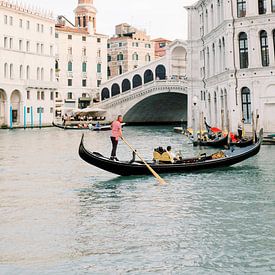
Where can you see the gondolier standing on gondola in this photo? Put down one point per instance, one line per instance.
(116, 134)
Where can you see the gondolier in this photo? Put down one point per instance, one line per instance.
(116, 134)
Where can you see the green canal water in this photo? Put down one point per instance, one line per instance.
(59, 215)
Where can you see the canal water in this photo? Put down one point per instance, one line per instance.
(59, 215)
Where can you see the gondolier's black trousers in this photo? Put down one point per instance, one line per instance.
(114, 143)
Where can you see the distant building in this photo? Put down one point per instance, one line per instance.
(160, 46)
(81, 63)
(128, 49)
(231, 61)
(27, 82)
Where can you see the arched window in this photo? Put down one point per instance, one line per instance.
(21, 71)
(70, 66)
(38, 73)
(115, 89)
(241, 8)
(6, 69)
(148, 76)
(105, 93)
(120, 57)
(137, 81)
(11, 71)
(262, 6)
(126, 85)
(120, 71)
(135, 56)
(28, 72)
(213, 59)
(42, 74)
(56, 65)
(264, 48)
(147, 57)
(160, 72)
(246, 105)
(243, 50)
(108, 71)
(84, 67)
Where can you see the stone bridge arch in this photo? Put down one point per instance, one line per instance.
(3, 107)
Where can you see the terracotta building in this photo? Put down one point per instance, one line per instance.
(160, 46)
(128, 49)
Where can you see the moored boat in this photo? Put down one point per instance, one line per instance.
(222, 158)
(76, 127)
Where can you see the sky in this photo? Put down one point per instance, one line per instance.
(161, 18)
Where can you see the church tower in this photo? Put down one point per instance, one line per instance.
(85, 15)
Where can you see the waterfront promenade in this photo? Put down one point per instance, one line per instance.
(59, 215)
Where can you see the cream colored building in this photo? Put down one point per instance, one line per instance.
(231, 61)
(81, 59)
(27, 81)
(128, 49)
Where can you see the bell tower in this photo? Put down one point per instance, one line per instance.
(85, 15)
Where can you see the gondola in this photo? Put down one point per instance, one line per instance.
(223, 158)
(221, 142)
(242, 143)
(94, 128)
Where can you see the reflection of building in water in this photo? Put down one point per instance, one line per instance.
(231, 47)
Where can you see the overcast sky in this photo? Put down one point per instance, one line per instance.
(161, 18)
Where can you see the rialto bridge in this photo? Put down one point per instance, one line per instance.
(155, 93)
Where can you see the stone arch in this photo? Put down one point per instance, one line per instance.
(105, 94)
(115, 90)
(3, 107)
(148, 76)
(126, 85)
(160, 72)
(179, 57)
(137, 81)
(15, 100)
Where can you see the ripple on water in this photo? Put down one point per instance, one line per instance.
(60, 215)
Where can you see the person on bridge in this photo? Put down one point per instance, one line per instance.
(116, 134)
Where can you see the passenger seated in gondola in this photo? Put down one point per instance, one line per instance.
(173, 157)
(97, 126)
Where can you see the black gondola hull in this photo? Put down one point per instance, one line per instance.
(233, 156)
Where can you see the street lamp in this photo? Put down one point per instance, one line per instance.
(195, 135)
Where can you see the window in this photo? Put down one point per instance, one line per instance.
(28, 95)
(20, 45)
(241, 8)
(6, 70)
(148, 46)
(42, 48)
(5, 19)
(83, 38)
(99, 68)
(51, 110)
(42, 28)
(84, 52)
(37, 47)
(99, 53)
(51, 50)
(42, 96)
(120, 71)
(246, 105)
(135, 56)
(11, 43)
(51, 75)
(11, 20)
(70, 82)
(262, 6)
(5, 42)
(120, 44)
(108, 71)
(70, 66)
(109, 58)
(40, 110)
(273, 5)
(98, 40)
(98, 83)
(38, 95)
(120, 57)
(28, 25)
(28, 72)
(21, 71)
(38, 73)
(243, 50)
(56, 35)
(84, 67)
(11, 71)
(147, 57)
(264, 48)
(51, 30)
(70, 96)
(51, 96)
(70, 37)
(28, 110)
(274, 40)
(20, 23)
(108, 46)
(70, 50)
(84, 82)
(37, 27)
(28, 46)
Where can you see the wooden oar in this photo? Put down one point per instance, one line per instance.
(155, 174)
